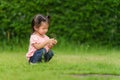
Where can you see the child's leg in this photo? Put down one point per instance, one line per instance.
(48, 56)
(37, 57)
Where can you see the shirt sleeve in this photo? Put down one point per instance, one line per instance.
(33, 39)
(47, 37)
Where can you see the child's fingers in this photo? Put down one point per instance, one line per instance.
(55, 41)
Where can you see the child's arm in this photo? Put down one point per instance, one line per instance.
(41, 45)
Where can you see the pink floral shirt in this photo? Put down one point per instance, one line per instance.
(36, 39)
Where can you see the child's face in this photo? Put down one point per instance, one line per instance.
(43, 28)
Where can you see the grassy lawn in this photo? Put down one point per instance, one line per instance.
(81, 66)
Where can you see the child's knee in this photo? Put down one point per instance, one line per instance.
(51, 53)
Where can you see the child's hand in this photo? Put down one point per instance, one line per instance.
(52, 43)
(55, 41)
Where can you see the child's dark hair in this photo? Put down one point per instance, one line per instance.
(36, 21)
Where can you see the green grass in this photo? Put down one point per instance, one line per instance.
(65, 65)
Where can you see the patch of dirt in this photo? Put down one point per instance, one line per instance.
(95, 75)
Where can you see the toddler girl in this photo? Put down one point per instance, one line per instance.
(40, 44)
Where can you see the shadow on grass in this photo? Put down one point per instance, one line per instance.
(95, 75)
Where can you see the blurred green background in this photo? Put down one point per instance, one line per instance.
(77, 22)
(88, 34)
